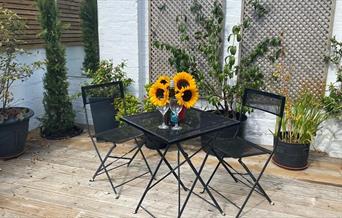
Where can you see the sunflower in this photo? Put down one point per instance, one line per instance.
(183, 80)
(159, 94)
(165, 80)
(187, 96)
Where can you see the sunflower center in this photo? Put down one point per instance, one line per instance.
(182, 83)
(163, 81)
(160, 93)
(187, 95)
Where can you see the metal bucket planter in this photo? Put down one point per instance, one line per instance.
(13, 134)
(291, 156)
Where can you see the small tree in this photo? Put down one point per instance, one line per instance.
(59, 115)
(89, 26)
(11, 28)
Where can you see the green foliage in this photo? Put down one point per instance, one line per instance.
(89, 25)
(107, 73)
(59, 115)
(11, 28)
(220, 90)
(259, 9)
(302, 120)
(333, 102)
(131, 103)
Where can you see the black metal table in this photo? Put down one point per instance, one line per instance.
(197, 123)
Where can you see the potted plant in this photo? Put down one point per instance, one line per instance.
(298, 129)
(223, 85)
(58, 121)
(14, 121)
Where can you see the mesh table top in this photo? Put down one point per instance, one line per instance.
(196, 123)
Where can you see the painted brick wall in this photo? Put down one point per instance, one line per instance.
(30, 92)
(121, 37)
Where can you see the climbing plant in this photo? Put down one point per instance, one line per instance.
(333, 102)
(227, 77)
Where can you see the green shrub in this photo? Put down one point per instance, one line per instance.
(89, 25)
(107, 73)
(59, 115)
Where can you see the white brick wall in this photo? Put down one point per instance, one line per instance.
(118, 34)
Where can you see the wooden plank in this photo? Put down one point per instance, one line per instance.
(53, 175)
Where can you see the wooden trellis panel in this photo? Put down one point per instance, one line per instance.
(306, 26)
(69, 14)
(163, 28)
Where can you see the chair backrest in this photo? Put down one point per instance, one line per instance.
(101, 99)
(102, 92)
(265, 101)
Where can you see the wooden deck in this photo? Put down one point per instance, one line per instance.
(52, 180)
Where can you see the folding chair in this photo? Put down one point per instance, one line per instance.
(240, 148)
(108, 130)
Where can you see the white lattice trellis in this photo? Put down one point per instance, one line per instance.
(306, 26)
(163, 28)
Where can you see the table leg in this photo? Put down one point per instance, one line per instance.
(198, 177)
(172, 170)
(152, 178)
(179, 182)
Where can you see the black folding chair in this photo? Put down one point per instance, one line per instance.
(240, 148)
(102, 97)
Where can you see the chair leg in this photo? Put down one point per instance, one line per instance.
(254, 186)
(254, 179)
(134, 155)
(211, 177)
(224, 164)
(100, 168)
(104, 167)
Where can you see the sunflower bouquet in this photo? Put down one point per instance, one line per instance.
(179, 93)
(183, 87)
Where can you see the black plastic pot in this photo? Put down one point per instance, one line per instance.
(228, 132)
(13, 134)
(152, 142)
(291, 156)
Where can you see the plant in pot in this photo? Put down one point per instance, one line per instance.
(14, 121)
(298, 129)
(58, 121)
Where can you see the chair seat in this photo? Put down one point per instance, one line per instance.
(236, 148)
(119, 135)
